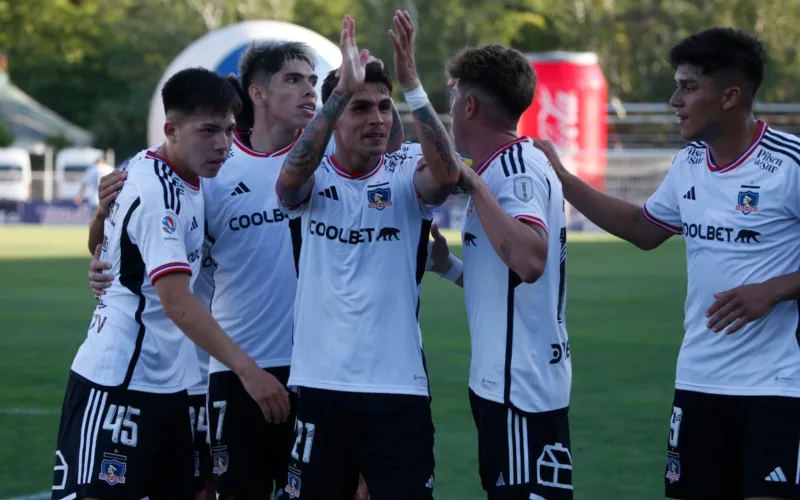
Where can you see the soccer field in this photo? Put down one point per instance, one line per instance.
(624, 317)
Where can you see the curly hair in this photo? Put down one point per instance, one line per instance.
(726, 54)
(505, 74)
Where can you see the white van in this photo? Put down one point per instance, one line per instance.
(15, 174)
(71, 163)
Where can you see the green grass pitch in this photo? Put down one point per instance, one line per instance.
(624, 316)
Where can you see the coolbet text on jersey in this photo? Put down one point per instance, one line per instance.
(356, 326)
(741, 223)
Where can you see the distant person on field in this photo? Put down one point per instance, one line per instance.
(91, 180)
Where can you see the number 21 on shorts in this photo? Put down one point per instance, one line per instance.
(675, 426)
(307, 443)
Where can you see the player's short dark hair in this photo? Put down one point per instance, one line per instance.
(263, 59)
(196, 90)
(726, 53)
(375, 73)
(501, 73)
(259, 63)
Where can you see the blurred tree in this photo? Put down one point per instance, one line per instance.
(97, 62)
(57, 142)
(6, 136)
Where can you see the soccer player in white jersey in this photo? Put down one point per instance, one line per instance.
(514, 249)
(733, 192)
(251, 267)
(363, 401)
(280, 78)
(125, 431)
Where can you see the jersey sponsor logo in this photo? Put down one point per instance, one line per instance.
(673, 470)
(560, 352)
(220, 462)
(388, 234)
(256, 219)
(469, 239)
(379, 198)
(747, 201)
(168, 224)
(209, 262)
(353, 236)
(112, 469)
(767, 161)
(695, 156)
(194, 224)
(193, 256)
(720, 233)
(747, 235)
(241, 188)
(330, 192)
(523, 188)
(690, 195)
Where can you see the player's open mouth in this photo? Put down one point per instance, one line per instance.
(308, 107)
(375, 136)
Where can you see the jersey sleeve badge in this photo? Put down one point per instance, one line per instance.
(523, 188)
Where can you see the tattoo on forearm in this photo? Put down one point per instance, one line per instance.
(505, 250)
(434, 132)
(303, 160)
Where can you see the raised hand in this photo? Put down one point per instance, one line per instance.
(405, 67)
(354, 62)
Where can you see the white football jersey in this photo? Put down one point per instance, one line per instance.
(361, 245)
(741, 222)
(249, 256)
(154, 227)
(520, 348)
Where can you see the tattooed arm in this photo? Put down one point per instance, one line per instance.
(296, 178)
(435, 181)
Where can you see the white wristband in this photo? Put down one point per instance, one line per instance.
(456, 268)
(416, 98)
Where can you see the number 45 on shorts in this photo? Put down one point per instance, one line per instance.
(119, 421)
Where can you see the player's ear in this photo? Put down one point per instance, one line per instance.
(731, 97)
(171, 130)
(472, 107)
(257, 95)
